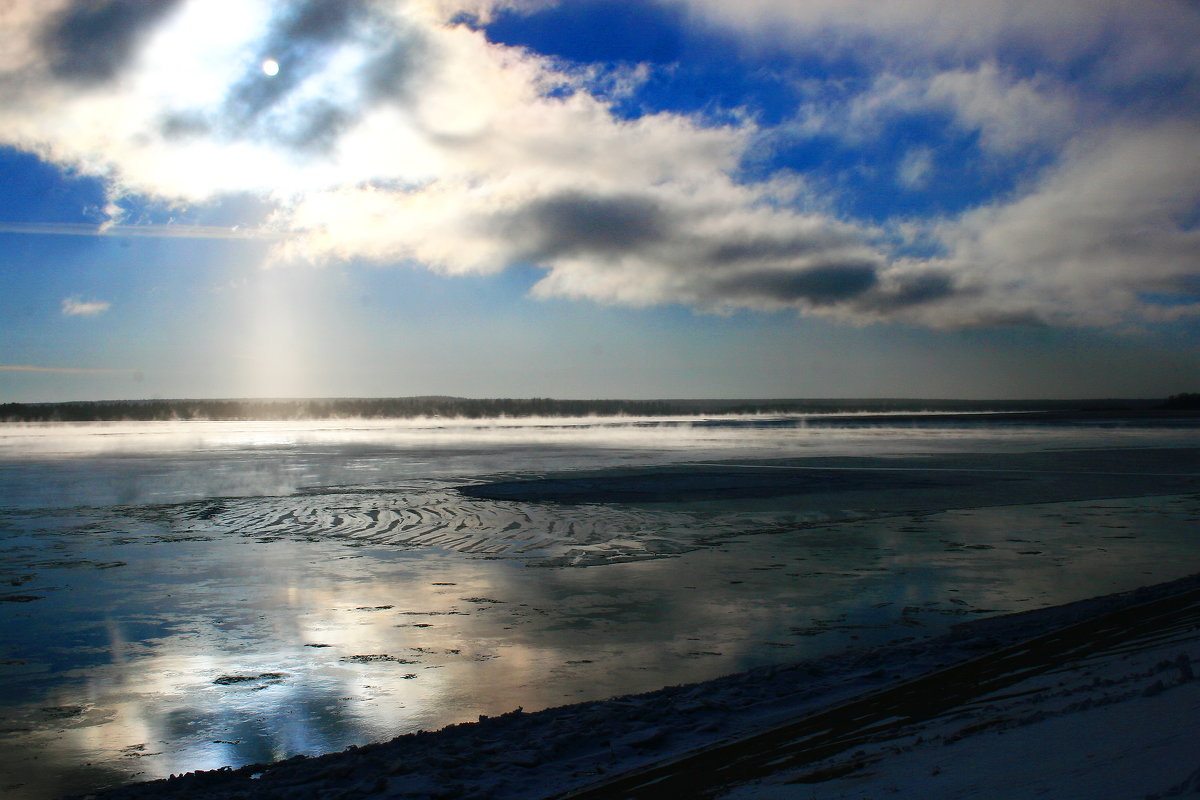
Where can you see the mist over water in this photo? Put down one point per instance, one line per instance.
(121, 463)
(187, 595)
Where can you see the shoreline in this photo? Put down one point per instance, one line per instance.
(576, 750)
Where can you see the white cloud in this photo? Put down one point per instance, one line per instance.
(1010, 114)
(1113, 222)
(1130, 39)
(75, 307)
(916, 168)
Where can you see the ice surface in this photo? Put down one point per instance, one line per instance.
(342, 572)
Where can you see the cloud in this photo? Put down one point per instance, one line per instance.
(1008, 112)
(1087, 108)
(296, 106)
(483, 11)
(714, 254)
(573, 223)
(1115, 42)
(1011, 115)
(395, 135)
(74, 307)
(818, 286)
(911, 287)
(716, 246)
(1115, 219)
(91, 41)
(915, 168)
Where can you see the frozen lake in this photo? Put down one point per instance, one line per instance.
(181, 596)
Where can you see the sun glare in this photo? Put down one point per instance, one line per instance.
(270, 67)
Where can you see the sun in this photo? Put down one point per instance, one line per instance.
(270, 67)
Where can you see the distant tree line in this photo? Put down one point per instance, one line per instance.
(471, 408)
(1182, 401)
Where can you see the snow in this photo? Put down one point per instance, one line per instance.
(1122, 723)
(1103, 709)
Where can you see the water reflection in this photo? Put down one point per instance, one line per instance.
(195, 654)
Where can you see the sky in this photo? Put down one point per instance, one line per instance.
(599, 198)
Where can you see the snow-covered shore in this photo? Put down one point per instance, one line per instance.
(1117, 716)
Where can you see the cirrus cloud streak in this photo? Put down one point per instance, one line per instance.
(76, 307)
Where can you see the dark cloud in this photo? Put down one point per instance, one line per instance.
(909, 290)
(576, 223)
(748, 269)
(91, 41)
(317, 126)
(316, 21)
(819, 286)
(988, 318)
(184, 125)
(390, 74)
(765, 248)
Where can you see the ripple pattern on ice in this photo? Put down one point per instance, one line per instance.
(559, 534)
